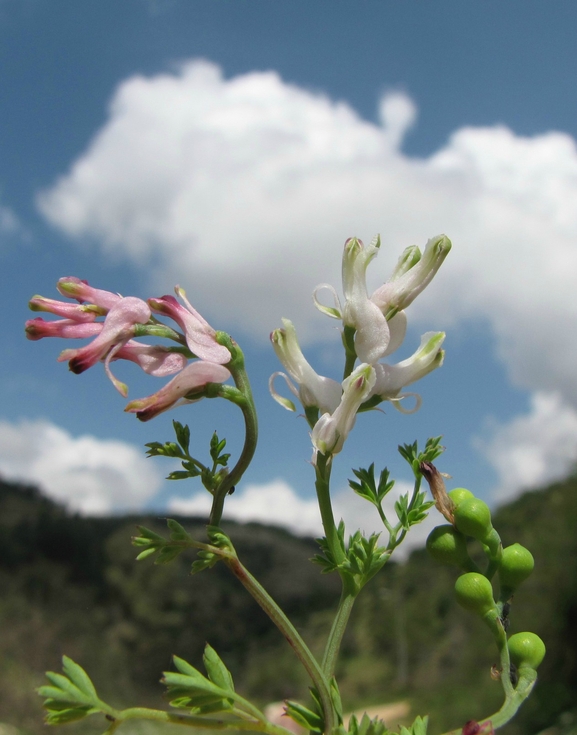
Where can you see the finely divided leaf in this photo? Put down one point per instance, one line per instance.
(216, 670)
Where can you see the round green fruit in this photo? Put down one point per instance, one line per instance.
(515, 566)
(473, 518)
(526, 649)
(458, 494)
(447, 545)
(474, 592)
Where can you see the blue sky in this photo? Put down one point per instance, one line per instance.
(232, 146)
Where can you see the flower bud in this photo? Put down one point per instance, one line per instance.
(526, 650)
(473, 518)
(515, 566)
(448, 546)
(475, 593)
(458, 494)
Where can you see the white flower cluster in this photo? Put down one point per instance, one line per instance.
(374, 327)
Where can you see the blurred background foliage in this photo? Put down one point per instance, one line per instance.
(70, 585)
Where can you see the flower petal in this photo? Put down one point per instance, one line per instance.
(200, 336)
(193, 378)
(118, 327)
(153, 359)
(330, 431)
(67, 328)
(372, 331)
(314, 389)
(78, 289)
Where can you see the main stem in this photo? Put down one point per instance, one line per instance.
(349, 590)
(291, 634)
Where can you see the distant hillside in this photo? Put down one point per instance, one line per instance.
(71, 585)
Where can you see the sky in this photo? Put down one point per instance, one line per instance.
(231, 147)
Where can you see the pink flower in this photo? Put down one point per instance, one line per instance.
(65, 309)
(186, 387)
(67, 328)
(117, 330)
(200, 336)
(77, 289)
(153, 359)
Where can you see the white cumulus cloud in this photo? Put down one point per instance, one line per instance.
(88, 475)
(533, 449)
(277, 503)
(244, 190)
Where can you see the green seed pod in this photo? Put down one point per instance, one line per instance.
(473, 518)
(474, 592)
(526, 649)
(448, 546)
(458, 494)
(515, 566)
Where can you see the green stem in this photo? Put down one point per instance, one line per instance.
(322, 485)
(291, 634)
(348, 597)
(209, 723)
(493, 620)
(237, 369)
(397, 541)
(510, 705)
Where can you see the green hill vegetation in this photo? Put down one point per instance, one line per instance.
(71, 585)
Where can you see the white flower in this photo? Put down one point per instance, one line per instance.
(391, 379)
(412, 274)
(331, 430)
(313, 389)
(372, 333)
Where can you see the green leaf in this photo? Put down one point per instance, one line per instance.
(180, 702)
(146, 553)
(419, 727)
(71, 696)
(168, 554)
(336, 699)
(305, 717)
(401, 509)
(367, 726)
(192, 684)
(177, 532)
(185, 668)
(221, 705)
(178, 475)
(54, 693)
(206, 560)
(410, 452)
(218, 538)
(71, 714)
(79, 677)
(216, 670)
(182, 435)
(69, 690)
(146, 533)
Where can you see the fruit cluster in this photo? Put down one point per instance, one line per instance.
(512, 565)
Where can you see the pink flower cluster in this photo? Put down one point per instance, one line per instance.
(113, 339)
